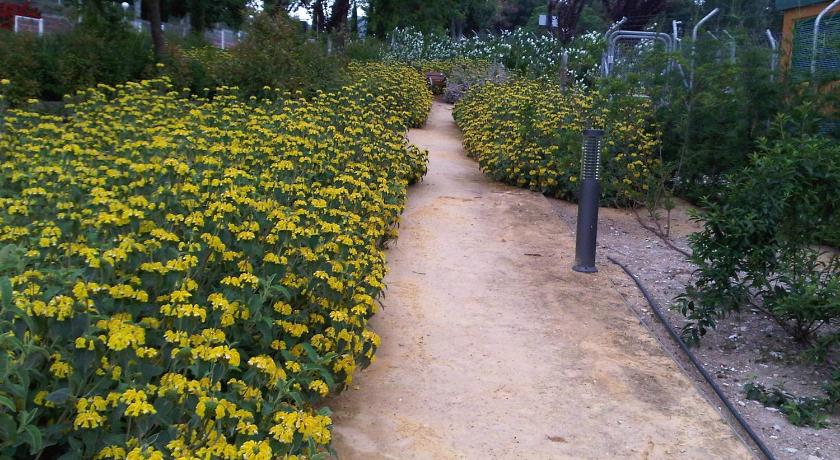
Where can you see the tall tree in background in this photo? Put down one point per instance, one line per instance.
(514, 13)
(274, 6)
(354, 18)
(338, 16)
(456, 16)
(327, 15)
(638, 12)
(319, 18)
(152, 8)
(568, 14)
(204, 13)
(277, 5)
(550, 13)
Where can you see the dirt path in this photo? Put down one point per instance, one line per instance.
(493, 348)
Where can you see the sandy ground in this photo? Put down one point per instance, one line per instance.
(493, 348)
(749, 347)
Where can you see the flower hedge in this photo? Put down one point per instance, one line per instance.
(189, 278)
(404, 89)
(528, 133)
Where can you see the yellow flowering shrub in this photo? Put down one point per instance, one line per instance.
(529, 134)
(188, 278)
(405, 86)
(476, 66)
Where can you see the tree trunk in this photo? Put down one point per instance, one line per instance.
(549, 22)
(153, 13)
(638, 12)
(318, 16)
(198, 15)
(282, 5)
(354, 19)
(338, 15)
(568, 15)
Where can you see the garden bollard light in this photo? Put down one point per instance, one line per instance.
(590, 194)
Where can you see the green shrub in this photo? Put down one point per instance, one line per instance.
(276, 54)
(710, 129)
(199, 68)
(54, 65)
(86, 56)
(103, 49)
(20, 64)
(759, 243)
(799, 411)
(369, 49)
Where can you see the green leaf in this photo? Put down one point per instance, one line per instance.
(35, 440)
(75, 447)
(150, 370)
(328, 378)
(6, 401)
(6, 292)
(311, 353)
(59, 396)
(8, 427)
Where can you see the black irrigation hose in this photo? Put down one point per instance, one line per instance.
(655, 307)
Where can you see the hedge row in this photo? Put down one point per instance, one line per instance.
(189, 278)
(529, 133)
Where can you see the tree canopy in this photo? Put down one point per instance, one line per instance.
(454, 16)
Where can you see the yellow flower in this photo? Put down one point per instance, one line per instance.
(88, 419)
(267, 366)
(60, 369)
(137, 404)
(253, 450)
(187, 232)
(121, 333)
(319, 386)
(113, 452)
(144, 454)
(146, 352)
(40, 399)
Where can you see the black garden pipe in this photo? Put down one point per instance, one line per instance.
(590, 195)
(654, 305)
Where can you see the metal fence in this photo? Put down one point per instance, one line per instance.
(179, 29)
(29, 25)
(627, 50)
(223, 38)
(219, 37)
(56, 24)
